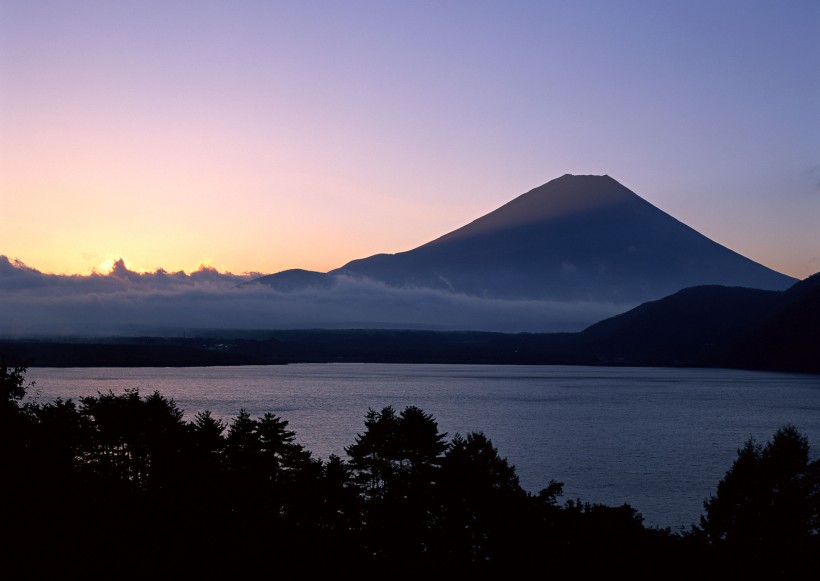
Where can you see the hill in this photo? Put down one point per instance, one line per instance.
(716, 326)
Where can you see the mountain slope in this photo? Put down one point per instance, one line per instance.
(716, 326)
(789, 339)
(294, 279)
(697, 325)
(573, 238)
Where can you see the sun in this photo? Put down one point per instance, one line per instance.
(106, 266)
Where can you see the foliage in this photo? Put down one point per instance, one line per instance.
(768, 502)
(118, 476)
(394, 465)
(395, 450)
(12, 380)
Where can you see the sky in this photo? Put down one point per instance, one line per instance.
(263, 136)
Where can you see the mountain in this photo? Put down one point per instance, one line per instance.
(697, 325)
(577, 238)
(715, 326)
(575, 251)
(294, 279)
(788, 339)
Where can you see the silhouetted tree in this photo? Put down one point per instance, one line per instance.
(136, 441)
(294, 478)
(59, 442)
(395, 462)
(208, 434)
(242, 444)
(206, 461)
(276, 446)
(12, 383)
(594, 540)
(481, 503)
(15, 422)
(121, 476)
(340, 502)
(768, 504)
(374, 455)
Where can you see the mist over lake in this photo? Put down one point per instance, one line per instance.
(657, 438)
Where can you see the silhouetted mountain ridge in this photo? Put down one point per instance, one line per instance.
(294, 279)
(717, 326)
(790, 338)
(575, 238)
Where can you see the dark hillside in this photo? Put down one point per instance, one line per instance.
(696, 326)
(790, 338)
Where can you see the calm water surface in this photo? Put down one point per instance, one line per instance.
(657, 438)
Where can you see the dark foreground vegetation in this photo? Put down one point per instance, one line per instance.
(122, 486)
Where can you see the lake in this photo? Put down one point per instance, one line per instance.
(657, 438)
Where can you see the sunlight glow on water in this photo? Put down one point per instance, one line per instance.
(657, 438)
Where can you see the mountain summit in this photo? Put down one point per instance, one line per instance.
(585, 238)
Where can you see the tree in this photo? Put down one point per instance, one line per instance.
(375, 454)
(276, 444)
(12, 418)
(769, 501)
(206, 482)
(138, 441)
(482, 502)
(395, 464)
(12, 380)
(13, 388)
(59, 436)
(207, 431)
(242, 444)
(396, 450)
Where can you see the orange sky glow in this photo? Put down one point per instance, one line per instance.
(273, 136)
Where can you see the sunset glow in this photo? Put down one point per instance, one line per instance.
(590, 228)
(107, 265)
(266, 136)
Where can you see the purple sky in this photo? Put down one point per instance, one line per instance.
(261, 136)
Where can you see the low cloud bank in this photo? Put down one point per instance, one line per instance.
(125, 302)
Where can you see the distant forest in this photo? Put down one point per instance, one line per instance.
(121, 485)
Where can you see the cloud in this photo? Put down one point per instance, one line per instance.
(125, 302)
(14, 274)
